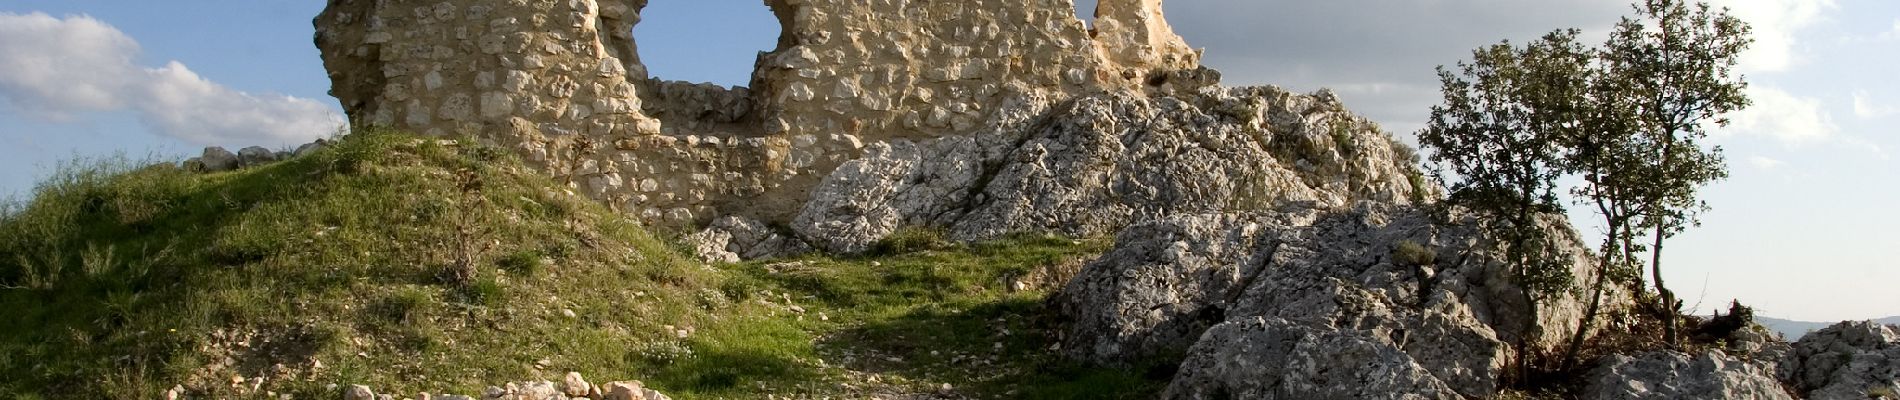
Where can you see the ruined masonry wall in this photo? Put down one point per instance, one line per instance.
(561, 82)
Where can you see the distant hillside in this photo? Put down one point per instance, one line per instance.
(1792, 330)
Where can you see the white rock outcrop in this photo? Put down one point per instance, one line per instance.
(1234, 291)
(1659, 375)
(1850, 360)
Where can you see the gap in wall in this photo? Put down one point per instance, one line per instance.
(1085, 9)
(705, 41)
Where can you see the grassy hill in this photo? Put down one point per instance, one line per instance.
(414, 265)
(1793, 330)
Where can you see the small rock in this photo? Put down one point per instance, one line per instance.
(175, 392)
(359, 392)
(494, 392)
(568, 313)
(539, 390)
(574, 385)
(651, 394)
(623, 390)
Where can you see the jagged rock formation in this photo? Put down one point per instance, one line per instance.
(1850, 360)
(866, 117)
(1310, 303)
(1709, 375)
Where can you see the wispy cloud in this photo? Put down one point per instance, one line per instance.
(1765, 163)
(1783, 116)
(1866, 108)
(57, 69)
(1776, 48)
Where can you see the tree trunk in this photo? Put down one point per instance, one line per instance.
(1668, 298)
(1589, 315)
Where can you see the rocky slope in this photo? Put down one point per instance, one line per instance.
(1093, 165)
(1326, 294)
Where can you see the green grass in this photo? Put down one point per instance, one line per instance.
(121, 280)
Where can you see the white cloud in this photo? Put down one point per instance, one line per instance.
(1866, 108)
(56, 68)
(1783, 116)
(1765, 163)
(1776, 21)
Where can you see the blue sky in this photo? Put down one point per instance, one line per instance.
(1804, 229)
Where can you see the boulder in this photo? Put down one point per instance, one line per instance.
(1850, 360)
(306, 148)
(895, 184)
(1333, 274)
(255, 156)
(1660, 375)
(217, 159)
(734, 238)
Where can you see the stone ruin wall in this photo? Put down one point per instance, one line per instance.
(561, 82)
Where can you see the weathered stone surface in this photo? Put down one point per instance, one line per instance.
(217, 159)
(733, 238)
(1270, 358)
(307, 148)
(1099, 163)
(895, 184)
(255, 156)
(1168, 281)
(1845, 361)
(1709, 375)
(359, 392)
(575, 385)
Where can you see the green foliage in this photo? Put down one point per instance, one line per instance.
(1343, 139)
(524, 262)
(1667, 75)
(1412, 253)
(912, 239)
(1500, 130)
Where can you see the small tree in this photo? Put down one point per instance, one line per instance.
(1674, 71)
(1500, 131)
(1628, 118)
